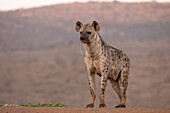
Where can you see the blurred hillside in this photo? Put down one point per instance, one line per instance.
(51, 25)
(40, 53)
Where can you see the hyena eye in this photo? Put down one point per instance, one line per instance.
(89, 32)
(81, 32)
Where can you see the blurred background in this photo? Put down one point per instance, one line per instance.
(41, 56)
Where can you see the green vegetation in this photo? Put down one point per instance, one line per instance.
(46, 104)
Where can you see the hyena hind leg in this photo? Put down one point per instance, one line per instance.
(116, 88)
(123, 86)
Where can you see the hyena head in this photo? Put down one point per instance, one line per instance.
(87, 32)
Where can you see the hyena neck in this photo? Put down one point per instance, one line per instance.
(94, 49)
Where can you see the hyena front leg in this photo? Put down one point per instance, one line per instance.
(91, 79)
(102, 91)
(104, 76)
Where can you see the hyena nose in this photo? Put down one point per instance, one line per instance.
(82, 38)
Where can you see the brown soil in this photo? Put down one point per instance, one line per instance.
(80, 110)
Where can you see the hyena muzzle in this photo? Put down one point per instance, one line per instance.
(103, 60)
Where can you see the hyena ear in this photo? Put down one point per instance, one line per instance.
(78, 26)
(96, 25)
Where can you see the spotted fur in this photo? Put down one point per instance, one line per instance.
(103, 60)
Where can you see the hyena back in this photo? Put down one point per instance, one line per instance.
(104, 60)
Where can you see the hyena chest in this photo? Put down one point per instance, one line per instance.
(97, 69)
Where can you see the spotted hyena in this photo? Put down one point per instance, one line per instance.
(104, 60)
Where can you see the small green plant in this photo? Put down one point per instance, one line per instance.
(46, 104)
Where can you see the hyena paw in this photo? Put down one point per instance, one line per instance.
(102, 106)
(89, 106)
(121, 106)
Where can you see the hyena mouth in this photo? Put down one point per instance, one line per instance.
(85, 40)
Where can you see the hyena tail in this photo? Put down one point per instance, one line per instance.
(118, 78)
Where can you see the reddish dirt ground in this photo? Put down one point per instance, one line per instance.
(80, 110)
